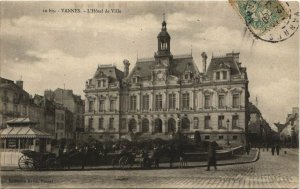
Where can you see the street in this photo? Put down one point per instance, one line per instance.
(268, 172)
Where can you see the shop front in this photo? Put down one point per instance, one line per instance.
(21, 134)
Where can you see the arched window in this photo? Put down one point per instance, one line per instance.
(171, 125)
(132, 125)
(185, 124)
(158, 126)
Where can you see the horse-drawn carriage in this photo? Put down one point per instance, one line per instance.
(31, 160)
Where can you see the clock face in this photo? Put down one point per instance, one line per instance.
(160, 75)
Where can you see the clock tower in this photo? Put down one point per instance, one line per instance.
(163, 56)
(163, 40)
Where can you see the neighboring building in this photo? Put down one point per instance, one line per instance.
(166, 94)
(259, 130)
(72, 102)
(14, 100)
(63, 122)
(289, 131)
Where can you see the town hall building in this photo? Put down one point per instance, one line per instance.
(166, 94)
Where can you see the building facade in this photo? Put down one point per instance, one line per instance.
(168, 94)
(72, 102)
(14, 101)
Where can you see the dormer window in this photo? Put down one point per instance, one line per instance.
(186, 76)
(224, 73)
(104, 83)
(217, 75)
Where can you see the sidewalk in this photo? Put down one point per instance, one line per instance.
(237, 159)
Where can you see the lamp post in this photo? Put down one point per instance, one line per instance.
(227, 131)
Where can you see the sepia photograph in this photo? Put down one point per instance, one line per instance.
(149, 94)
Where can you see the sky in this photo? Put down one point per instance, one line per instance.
(50, 50)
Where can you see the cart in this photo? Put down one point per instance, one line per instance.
(31, 160)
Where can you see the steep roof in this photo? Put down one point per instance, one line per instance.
(228, 62)
(178, 65)
(9, 84)
(109, 71)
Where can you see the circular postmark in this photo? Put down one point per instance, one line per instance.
(270, 21)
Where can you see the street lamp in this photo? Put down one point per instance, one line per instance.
(227, 131)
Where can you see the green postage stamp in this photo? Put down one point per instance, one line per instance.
(271, 20)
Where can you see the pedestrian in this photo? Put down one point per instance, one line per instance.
(171, 155)
(182, 160)
(211, 159)
(273, 150)
(277, 149)
(248, 148)
(267, 147)
(84, 150)
(156, 156)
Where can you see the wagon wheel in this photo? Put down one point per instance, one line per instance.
(26, 163)
(123, 162)
(130, 161)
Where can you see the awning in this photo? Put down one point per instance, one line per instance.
(23, 132)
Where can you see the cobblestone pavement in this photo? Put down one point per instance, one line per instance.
(268, 172)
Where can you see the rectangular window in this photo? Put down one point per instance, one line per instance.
(99, 83)
(185, 101)
(100, 124)
(145, 102)
(236, 100)
(234, 137)
(172, 101)
(104, 83)
(206, 137)
(15, 108)
(101, 105)
(220, 121)
(235, 121)
(90, 124)
(196, 123)
(91, 105)
(158, 102)
(24, 110)
(123, 124)
(111, 123)
(217, 75)
(207, 101)
(133, 103)
(221, 137)
(112, 105)
(207, 122)
(221, 101)
(5, 107)
(224, 73)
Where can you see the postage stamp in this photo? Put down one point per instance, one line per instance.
(270, 21)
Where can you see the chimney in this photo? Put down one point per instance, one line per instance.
(126, 67)
(20, 83)
(204, 58)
